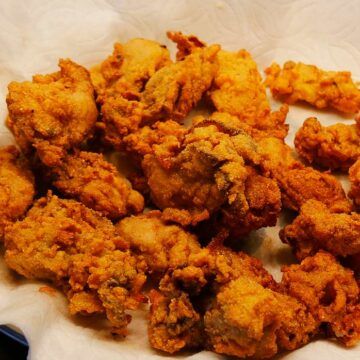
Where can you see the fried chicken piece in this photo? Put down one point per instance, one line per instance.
(163, 138)
(96, 183)
(354, 177)
(164, 246)
(206, 172)
(317, 227)
(248, 320)
(129, 67)
(186, 44)
(17, 187)
(53, 113)
(334, 147)
(175, 89)
(174, 324)
(264, 200)
(80, 252)
(170, 93)
(239, 91)
(297, 182)
(176, 314)
(330, 293)
(322, 89)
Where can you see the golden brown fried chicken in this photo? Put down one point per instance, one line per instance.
(174, 324)
(53, 113)
(163, 138)
(247, 319)
(175, 89)
(330, 293)
(176, 314)
(297, 182)
(129, 67)
(164, 246)
(239, 91)
(79, 250)
(209, 177)
(17, 187)
(170, 93)
(354, 177)
(323, 89)
(333, 147)
(96, 183)
(317, 227)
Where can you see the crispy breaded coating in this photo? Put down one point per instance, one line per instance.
(248, 320)
(330, 293)
(163, 138)
(175, 89)
(53, 113)
(163, 246)
(238, 90)
(317, 227)
(206, 173)
(89, 178)
(322, 89)
(78, 250)
(354, 177)
(129, 67)
(170, 93)
(297, 182)
(17, 187)
(333, 147)
(174, 324)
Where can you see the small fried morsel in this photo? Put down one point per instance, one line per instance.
(322, 89)
(354, 177)
(17, 188)
(238, 90)
(53, 113)
(170, 93)
(175, 89)
(163, 138)
(247, 319)
(333, 147)
(77, 249)
(297, 182)
(330, 293)
(163, 246)
(317, 227)
(96, 183)
(176, 314)
(174, 324)
(129, 67)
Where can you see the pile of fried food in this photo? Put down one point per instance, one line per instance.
(70, 217)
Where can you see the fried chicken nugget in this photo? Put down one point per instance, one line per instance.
(247, 319)
(330, 293)
(163, 246)
(174, 322)
(322, 89)
(170, 93)
(317, 227)
(129, 67)
(17, 186)
(96, 183)
(239, 91)
(297, 182)
(53, 113)
(79, 251)
(334, 147)
(354, 177)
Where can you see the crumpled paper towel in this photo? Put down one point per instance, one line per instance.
(34, 34)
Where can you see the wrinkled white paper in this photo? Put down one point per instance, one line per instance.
(35, 34)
